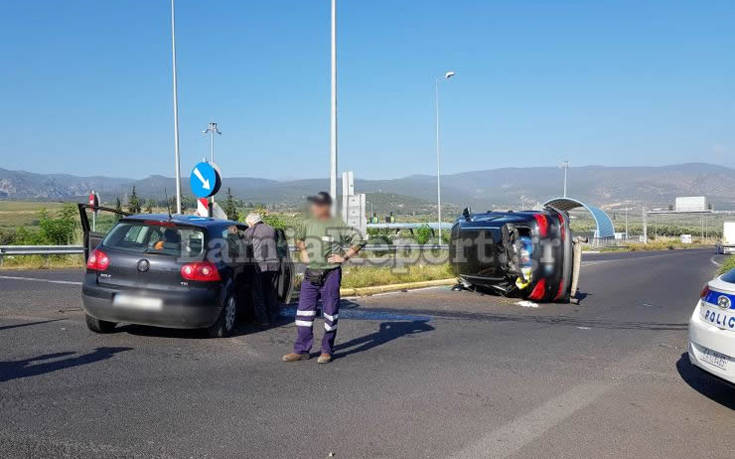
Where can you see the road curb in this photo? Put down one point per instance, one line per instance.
(367, 291)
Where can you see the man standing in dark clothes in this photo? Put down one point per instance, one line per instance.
(262, 238)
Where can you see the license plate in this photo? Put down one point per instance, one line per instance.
(715, 358)
(721, 318)
(139, 302)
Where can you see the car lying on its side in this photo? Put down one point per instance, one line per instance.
(530, 254)
(712, 328)
(171, 271)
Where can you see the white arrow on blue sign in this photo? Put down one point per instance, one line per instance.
(205, 180)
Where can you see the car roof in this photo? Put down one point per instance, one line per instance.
(191, 220)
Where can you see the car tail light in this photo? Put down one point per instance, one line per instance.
(543, 224)
(98, 261)
(539, 290)
(202, 271)
(560, 291)
(705, 291)
(561, 226)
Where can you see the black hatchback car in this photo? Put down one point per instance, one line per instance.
(531, 254)
(171, 271)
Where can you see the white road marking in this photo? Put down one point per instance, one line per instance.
(527, 304)
(511, 437)
(715, 262)
(38, 279)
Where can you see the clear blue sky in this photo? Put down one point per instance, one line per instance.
(85, 85)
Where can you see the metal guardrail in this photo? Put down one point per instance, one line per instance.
(393, 247)
(396, 247)
(409, 226)
(6, 250)
(19, 250)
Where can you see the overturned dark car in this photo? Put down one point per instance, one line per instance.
(529, 254)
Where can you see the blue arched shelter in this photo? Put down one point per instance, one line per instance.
(604, 230)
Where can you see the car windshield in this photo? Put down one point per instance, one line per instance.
(729, 276)
(156, 237)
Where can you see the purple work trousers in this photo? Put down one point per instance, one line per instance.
(306, 312)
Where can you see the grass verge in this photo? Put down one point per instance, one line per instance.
(369, 276)
(42, 262)
(728, 264)
(673, 244)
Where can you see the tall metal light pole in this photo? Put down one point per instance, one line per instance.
(446, 76)
(211, 130)
(565, 166)
(177, 157)
(333, 115)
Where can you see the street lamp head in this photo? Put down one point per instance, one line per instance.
(448, 75)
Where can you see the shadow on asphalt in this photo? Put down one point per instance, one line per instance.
(388, 331)
(244, 326)
(28, 324)
(704, 383)
(543, 320)
(16, 369)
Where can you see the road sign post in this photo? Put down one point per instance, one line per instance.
(94, 201)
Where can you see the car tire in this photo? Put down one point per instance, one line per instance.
(225, 324)
(99, 326)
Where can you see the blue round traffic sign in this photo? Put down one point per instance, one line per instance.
(205, 180)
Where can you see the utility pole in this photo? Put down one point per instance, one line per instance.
(702, 223)
(333, 115)
(565, 166)
(211, 130)
(177, 156)
(626, 223)
(446, 76)
(645, 226)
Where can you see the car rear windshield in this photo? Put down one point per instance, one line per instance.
(729, 276)
(156, 237)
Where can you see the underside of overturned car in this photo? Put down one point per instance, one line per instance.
(529, 254)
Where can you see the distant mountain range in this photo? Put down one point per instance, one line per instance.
(494, 188)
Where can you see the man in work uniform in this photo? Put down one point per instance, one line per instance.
(324, 244)
(262, 239)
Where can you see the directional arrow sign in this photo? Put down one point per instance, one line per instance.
(205, 180)
(202, 180)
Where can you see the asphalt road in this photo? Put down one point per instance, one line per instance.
(422, 374)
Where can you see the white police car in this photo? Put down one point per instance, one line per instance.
(712, 328)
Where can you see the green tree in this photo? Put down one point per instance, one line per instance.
(134, 202)
(423, 234)
(149, 206)
(58, 230)
(24, 236)
(230, 207)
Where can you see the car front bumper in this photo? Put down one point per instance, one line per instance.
(703, 336)
(193, 308)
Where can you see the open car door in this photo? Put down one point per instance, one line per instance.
(96, 223)
(286, 269)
